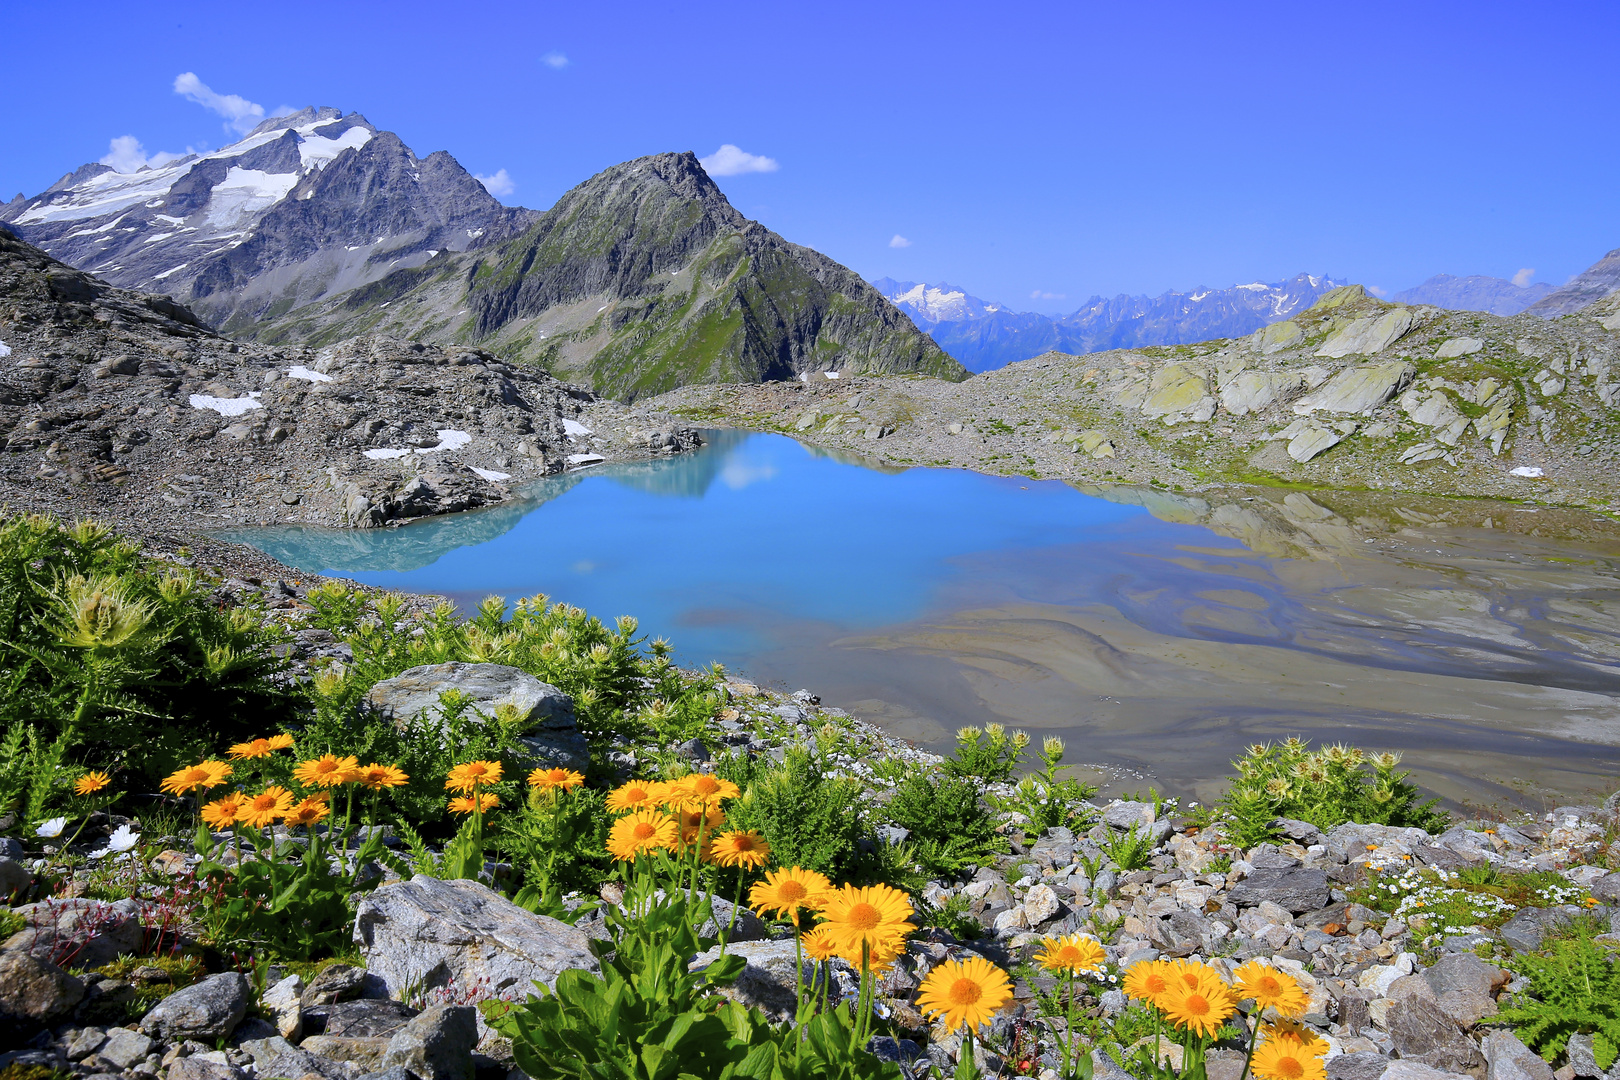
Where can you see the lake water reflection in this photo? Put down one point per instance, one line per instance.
(1157, 633)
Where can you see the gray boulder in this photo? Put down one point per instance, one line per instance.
(1583, 1058)
(34, 992)
(1295, 890)
(437, 1045)
(1464, 986)
(198, 1068)
(545, 711)
(14, 877)
(1506, 1058)
(1357, 1067)
(205, 1011)
(78, 932)
(1425, 1033)
(1414, 1070)
(1527, 929)
(276, 1056)
(367, 1018)
(426, 933)
(767, 982)
(339, 982)
(125, 1047)
(1122, 815)
(1607, 888)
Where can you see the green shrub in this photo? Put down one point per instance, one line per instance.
(1574, 989)
(1326, 787)
(1130, 850)
(1045, 800)
(988, 755)
(811, 819)
(130, 660)
(950, 826)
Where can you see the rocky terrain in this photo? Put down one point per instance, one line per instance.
(1396, 989)
(304, 206)
(639, 280)
(1353, 393)
(985, 335)
(123, 405)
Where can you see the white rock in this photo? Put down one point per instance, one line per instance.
(1370, 334)
(1460, 346)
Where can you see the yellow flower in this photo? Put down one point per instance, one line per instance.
(701, 789)
(552, 779)
(639, 831)
(467, 804)
(636, 795)
(787, 891)
(376, 777)
(265, 807)
(90, 783)
(1147, 980)
(473, 775)
(1075, 953)
(741, 848)
(308, 812)
(1201, 1009)
(223, 813)
(818, 943)
(875, 916)
(1298, 1033)
(204, 775)
(696, 818)
(257, 748)
(1270, 989)
(965, 992)
(328, 770)
(1285, 1059)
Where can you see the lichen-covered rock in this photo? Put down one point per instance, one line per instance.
(436, 1045)
(427, 933)
(1358, 389)
(1369, 334)
(33, 992)
(205, 1011)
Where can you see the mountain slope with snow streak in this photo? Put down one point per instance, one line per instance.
(303, 206)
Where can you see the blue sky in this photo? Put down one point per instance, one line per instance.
(1033, 153)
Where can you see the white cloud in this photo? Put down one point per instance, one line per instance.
(1522, 278)
(1376, 291)
(241, 115)
(1039, 295)
(732, 160)
(555, 60)
(497, 185)
(126, 155)
(898, 241)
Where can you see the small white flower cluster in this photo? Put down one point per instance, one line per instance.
(1561, 894)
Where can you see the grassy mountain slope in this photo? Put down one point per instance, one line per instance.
(642, 279)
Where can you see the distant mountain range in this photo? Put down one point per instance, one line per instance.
(304, 206)
(1475, 292)
(1596, 282)
(985, 335)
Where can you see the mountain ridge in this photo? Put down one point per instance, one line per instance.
(1474, 292)
(640, 279)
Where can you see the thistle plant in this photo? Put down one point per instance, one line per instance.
(1045, 799)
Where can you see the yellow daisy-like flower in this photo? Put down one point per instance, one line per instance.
(307, 812)
(786, 892)
(639, 831)
(266, 807)
(328, 770)
(1201, 1009)
(1191, 973)
(1285, 1059)
(473, 775)
(1147, 980)
(376, 777)
(1074, 953)
(1270, 989)
(879, 959)
(636, 795)
(876, 916)
(555, 779)
(965, 992)
(467, 804)
(256, 748)
(818, 944)
(90, 783)
(206, 774)
(1294, 1031)
(223, 813)
(741, 848)
(694, 818)
(702, 789)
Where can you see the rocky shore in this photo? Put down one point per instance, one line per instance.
(1352, 394)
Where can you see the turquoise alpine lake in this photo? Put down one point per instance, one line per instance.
(1158, 633)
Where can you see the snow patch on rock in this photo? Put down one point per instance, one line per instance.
(299, 371)
(491, 475)
(226, 406)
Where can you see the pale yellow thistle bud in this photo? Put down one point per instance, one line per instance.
(967, 734)
(1052, 747)
(1020, 739)
(1387, 760)
(600, 653)
(995, 731)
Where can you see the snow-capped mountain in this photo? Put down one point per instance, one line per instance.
(304, 206)
(929, 304)
(984, 335)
